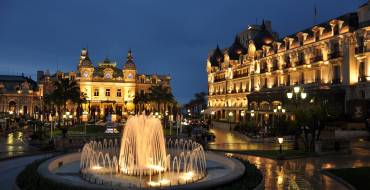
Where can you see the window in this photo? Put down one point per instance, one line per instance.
(119, 94)
(107, 92)
(317, 76)
(361, 72)
(317, 36)
(336, 29)
(96, 92)
(336, 74)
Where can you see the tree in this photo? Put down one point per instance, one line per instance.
(310, 121)
(65, 89)
(198, 103)
(160, 94)
(140, 100)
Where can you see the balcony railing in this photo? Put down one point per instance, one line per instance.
(263, 70)
(360, 49)
(334, 55)
(219, 79)
(240, 75)
(316, 59)
(287, 65)
(336, 81)
(362, 78)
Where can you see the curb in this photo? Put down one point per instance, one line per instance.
(338, 179)
(263, 156)
(25, 155)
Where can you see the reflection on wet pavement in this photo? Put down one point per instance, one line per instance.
(304, 173)
(226, 140)
(14, 144)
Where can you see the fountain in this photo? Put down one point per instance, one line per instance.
(143, 158)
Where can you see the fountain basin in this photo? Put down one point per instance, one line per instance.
(65, 169)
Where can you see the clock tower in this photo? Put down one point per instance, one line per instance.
(85, 67)
(129, 69)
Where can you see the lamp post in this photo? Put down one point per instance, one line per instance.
(242, 113)
(252, 117)
(281, 140)
(84, 119)
(296, 95)
(230, 116)
(277, 111)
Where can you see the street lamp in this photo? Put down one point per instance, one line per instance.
(230, 116)
(299, 95)
(281, 140)
(84, 119)
(242, 113)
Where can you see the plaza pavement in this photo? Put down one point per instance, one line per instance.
(15, 144)
(9, 169)
(303, 173)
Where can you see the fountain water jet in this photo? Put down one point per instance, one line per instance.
(144, 156)
(143, 146)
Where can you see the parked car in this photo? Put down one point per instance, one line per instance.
(112, 128)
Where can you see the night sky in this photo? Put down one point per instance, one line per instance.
(166, 36)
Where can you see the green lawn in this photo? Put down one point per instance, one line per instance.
(275, 154)
(357, 177)
(79, 129)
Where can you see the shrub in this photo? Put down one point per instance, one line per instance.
(251, 178)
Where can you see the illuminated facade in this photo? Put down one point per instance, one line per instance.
(259, 68)
(108, 88)
(19, 95)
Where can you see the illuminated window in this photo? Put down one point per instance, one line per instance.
(119, 94)
(96, 92)
(107, 92)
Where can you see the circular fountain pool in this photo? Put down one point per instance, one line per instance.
(143, 159)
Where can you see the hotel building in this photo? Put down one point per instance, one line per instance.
(330, 61)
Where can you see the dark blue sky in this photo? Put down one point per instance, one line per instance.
(166, 36)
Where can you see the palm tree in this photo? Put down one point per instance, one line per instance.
(160, 94)
(65, 89)
(140, 100)
(198, 103)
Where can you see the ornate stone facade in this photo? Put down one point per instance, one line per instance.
(19, 95)
(107, 87)
(331, 55)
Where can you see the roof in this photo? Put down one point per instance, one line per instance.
(129, 61)
(236, 49)
(12, 83)
(216, 57)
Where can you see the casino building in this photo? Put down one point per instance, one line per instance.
(108, 87)
(329, 61)
(19, 95)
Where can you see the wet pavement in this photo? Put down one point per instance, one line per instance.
(304, 173)
(9, 170)
(226, 140)
(15, 144)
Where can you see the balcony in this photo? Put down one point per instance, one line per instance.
(300, 62)
(275, 68)
(235, 75)
(219, 79)
(335, 81)
(287, 65)
(360, 49)
(334, 55)
(363, 79)
(263, 70)
(316, 59)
